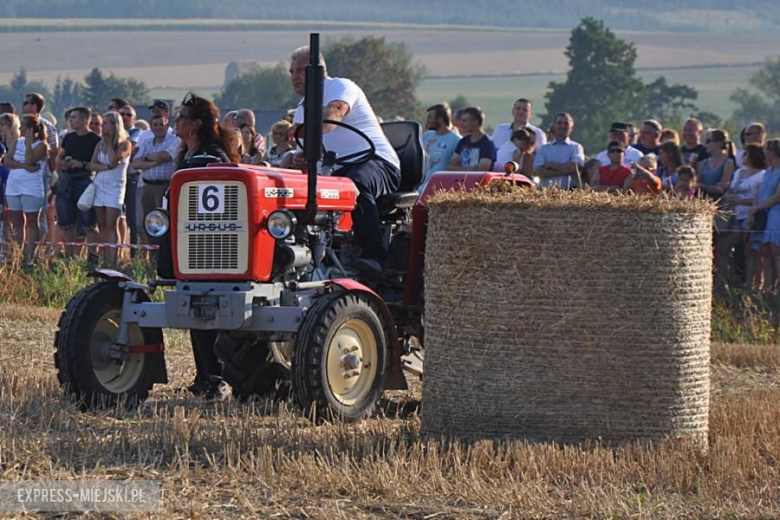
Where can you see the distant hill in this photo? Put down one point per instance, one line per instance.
(760, 16)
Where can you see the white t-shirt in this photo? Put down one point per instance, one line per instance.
(745, 189)
(21, 181)
(630, 156)
(503, 133)
(361, 116)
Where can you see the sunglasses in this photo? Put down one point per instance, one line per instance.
(189, 100)
(125, 114)
(615, 150)
(30, 103)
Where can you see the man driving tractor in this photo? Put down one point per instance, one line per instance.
(345, 102)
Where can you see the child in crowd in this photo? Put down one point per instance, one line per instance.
(685, 188)
(611, 177)
(644, 180)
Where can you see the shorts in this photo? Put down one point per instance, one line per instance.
(68, 213)
(25, 203)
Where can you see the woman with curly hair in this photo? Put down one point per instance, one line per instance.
(197, 125)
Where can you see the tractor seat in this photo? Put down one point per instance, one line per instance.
(406, 138)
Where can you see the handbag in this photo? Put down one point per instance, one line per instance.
(87, 198)
(759, 220)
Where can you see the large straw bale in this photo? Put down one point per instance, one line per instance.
(567, 316)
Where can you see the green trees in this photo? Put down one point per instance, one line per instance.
(385, 71)
(19, 86)
(762, 101)
(263, 88)
(601, 86)
(99, 88)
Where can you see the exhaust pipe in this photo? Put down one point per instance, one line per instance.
(312, 117)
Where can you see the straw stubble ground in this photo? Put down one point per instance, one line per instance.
(244, 460)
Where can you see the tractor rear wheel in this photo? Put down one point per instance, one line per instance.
(85, 367)
(341, 357)
(249, 368)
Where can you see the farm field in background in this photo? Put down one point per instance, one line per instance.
(234, 460)
(489, 66)
(496, 94)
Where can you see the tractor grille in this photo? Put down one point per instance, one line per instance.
(213, 251)
(212, 243)
(231, 206)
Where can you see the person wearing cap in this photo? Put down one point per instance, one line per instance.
(650, 137)
(161, 108)
(522, 113)
(620, 132)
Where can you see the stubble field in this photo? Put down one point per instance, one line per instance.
(491, 67)
(260, 460)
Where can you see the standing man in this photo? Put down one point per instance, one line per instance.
(156, 160)
(344, 101)
(522, 113)
(475, 152)
(127, 113)
(33, 104)
(649, 138)
(559, 162)
(439, 141)
(755, 133)
(76, 151)
(693, 151)
(621, 133)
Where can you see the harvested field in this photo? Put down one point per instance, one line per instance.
(194, 59)
(255, 460)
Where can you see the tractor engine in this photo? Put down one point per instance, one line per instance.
(231, 222)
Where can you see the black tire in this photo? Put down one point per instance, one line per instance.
(319, 387)
(88, 321)
(249, 369)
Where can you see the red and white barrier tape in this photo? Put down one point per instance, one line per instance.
(142, 247)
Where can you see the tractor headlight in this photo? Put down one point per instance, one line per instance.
(281, 224)
(156, 223)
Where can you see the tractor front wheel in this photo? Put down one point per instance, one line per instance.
(88, 328)
(341, 357)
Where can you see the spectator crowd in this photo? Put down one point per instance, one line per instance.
(93, 182)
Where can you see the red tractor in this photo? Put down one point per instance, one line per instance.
(262, 256)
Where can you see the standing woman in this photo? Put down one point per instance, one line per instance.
(24, 191)
(714, 173)
(769, 200)
(197, 125)
(251, 153)
(741, 195)
(671, 159)
(109, 162)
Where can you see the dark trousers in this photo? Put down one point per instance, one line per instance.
(131, 208)
(373, 179)
(206, 362)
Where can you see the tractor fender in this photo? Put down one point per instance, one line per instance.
(109, 275)
(395, 377)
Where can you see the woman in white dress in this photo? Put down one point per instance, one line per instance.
(27, 151)
(109, 162)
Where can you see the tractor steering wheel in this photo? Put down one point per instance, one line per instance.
(353, 159)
